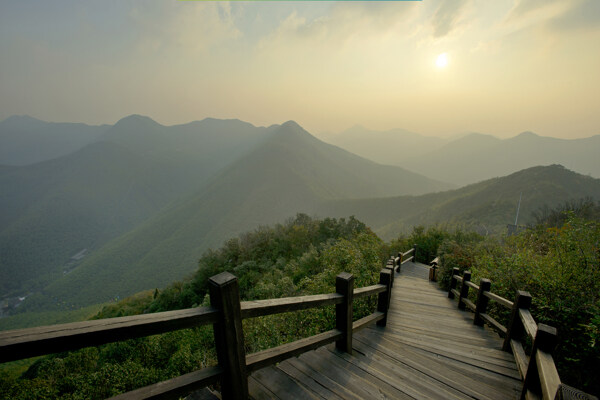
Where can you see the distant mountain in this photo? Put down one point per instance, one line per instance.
(290, 172)
(196, 185)
(52, 210)
(384, 147)
(470, 158)
(25, 140)
(487, 206)
(477, 157)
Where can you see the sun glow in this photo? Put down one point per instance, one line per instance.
(442, 60)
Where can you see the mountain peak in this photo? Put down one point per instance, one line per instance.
(22, 121)
(291, 128)
(526, 135)
(137, 120)
(291, 125)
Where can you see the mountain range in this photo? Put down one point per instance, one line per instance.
(137, 206)
(453, 160)
(486, 207)
(132, 206)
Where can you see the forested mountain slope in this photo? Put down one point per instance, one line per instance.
(290, 172)
(487, 206)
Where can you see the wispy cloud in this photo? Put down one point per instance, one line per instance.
(447, 17)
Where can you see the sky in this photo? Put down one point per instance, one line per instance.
(512, 65)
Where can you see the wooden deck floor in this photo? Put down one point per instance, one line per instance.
(428, 350)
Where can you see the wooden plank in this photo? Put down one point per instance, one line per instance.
(257, 308)
(374, 384)
(549, 379)
(267, 357)
(469, 304)
(520, 357)
(392, 344)
(258, 391)
(500, 300)
(468, 345)
(277, 382)
(495, 324)
(528, 323)
(432, 367)
(176, 387)
(361, 388)
(472, 285)
(366, 321)
(369, 290)
(307, 381)
(499, 366)
(455, 292)
(515, 327)
(394, 380)
(24, 343)
(337, 388)
(435, 334)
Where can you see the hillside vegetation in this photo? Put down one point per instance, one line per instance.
(486, 207)
(302, 256)
(558, 262)
(146, 200)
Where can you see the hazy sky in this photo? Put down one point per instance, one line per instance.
(513, 65)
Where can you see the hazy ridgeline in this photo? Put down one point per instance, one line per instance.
(99, 213)
(453, 161)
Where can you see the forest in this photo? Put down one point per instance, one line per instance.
(556, 259)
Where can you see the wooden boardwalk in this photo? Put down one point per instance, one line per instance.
(428, 350)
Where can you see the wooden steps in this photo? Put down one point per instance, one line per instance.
(429, 349)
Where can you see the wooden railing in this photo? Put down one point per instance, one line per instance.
(225, 314)
(538, 371)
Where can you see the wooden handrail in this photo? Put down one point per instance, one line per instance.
(408, 252)
(257, 308)
(369, 291)
(226, 316)
(24, 343)
(539, 374)
(176, 387)
(411, 258)
(276, 354)
(500, 300)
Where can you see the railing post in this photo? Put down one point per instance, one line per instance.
(344, 285)
(383, 301)
(229, 335)
(464, 290)
(400, 255)
(482, 301)
(415, 253)
(515, 326)
(390, 266)
(545, 340)
(452, 283)
(433, 271)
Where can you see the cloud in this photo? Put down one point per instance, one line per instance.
(555, 15)
(447, 17)
(190, 27)
(583, 15)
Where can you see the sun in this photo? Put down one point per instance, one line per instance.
(442, 60)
